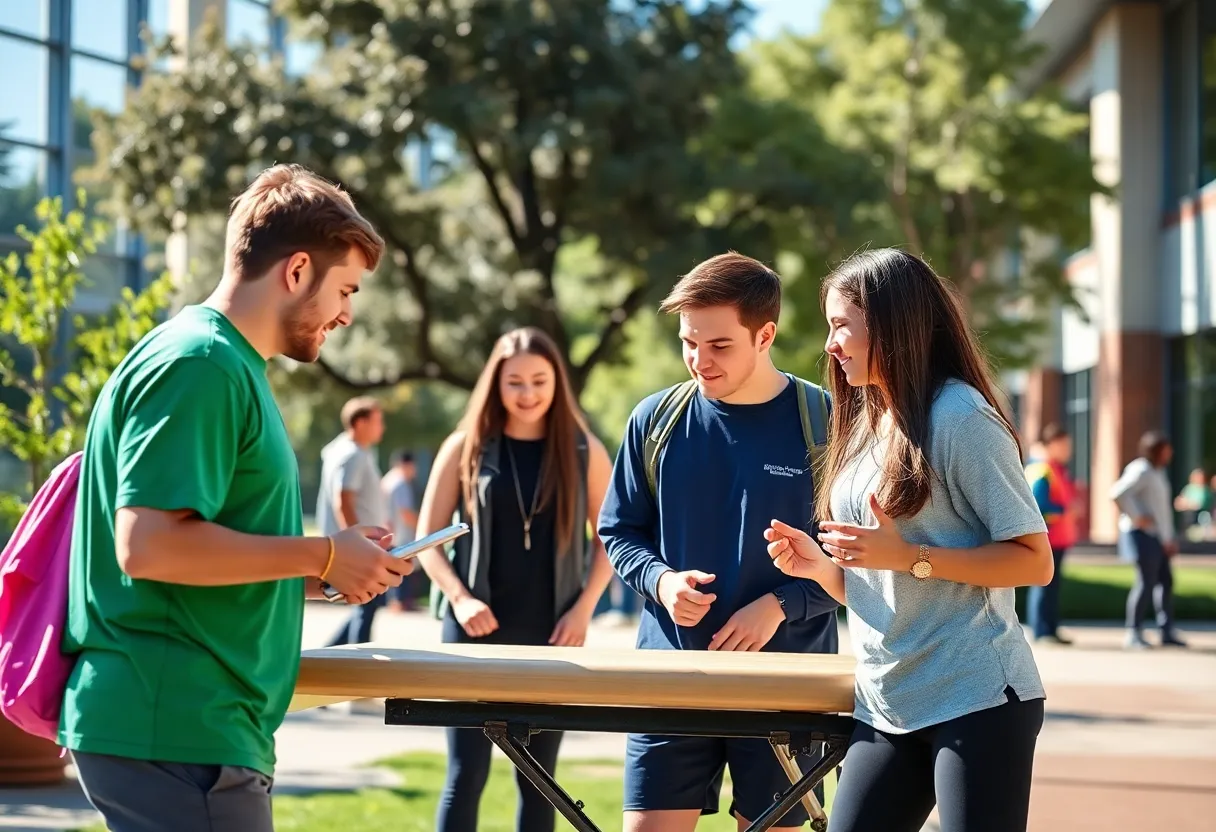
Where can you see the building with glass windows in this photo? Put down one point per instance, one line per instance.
(1142, 352)
(61, 60)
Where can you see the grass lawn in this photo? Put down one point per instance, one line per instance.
(1099, 592)
(411, 807)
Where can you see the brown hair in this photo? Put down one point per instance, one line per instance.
(919, 339)
(1051, 432)
(730, 279)
(1152, 444)
(358, 408)
(287, 209)
(486, 416)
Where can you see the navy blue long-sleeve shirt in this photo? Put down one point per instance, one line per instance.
(724, 474)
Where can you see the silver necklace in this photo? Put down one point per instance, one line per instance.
(519, 496)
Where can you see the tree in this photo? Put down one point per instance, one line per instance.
(580, 122)
(956, 164)
(44, 415)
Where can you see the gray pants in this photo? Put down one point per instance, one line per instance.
(141, 796)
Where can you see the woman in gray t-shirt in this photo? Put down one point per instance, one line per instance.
(929, 524)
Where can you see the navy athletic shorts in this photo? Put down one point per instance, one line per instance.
(686, 773)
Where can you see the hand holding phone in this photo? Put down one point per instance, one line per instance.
(408, 550)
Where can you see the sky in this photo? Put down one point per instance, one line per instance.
(802, 16)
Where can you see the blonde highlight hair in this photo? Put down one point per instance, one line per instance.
(289, 209)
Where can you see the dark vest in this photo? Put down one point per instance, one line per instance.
(470, 554)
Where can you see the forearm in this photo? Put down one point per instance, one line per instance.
(346, 515)
(1005, 564)
(806, 599)
(439, 569)
(831, 578)
(1126, 494)
(639, 566)
(177, 548)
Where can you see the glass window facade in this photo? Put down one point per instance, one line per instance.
(1207, 85)
(1192, 403)
(1078, 421)
(74, 58)
(1189, 50)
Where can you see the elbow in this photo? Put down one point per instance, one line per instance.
(133, 557)
(136, 536)
(1044, 564)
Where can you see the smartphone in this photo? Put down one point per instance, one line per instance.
(412, 550)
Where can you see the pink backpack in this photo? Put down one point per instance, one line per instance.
(34, 603)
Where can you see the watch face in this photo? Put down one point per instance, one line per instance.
(921, 569)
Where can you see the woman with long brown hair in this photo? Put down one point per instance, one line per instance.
(927, 525)
(525, 472)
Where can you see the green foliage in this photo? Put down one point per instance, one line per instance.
(571, 123)
(949, 160)
(37, 292)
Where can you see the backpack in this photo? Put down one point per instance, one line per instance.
(33, 606)
(814, 408)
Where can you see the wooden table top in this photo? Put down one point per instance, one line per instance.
(815, 683)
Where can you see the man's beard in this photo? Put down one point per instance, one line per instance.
(301, 325)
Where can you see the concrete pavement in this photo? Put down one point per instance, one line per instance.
(1130, 738)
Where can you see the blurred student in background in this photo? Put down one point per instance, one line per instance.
(1148, 538)
(1055, 494)
(397, 486)
(524, 470)
(350, 496)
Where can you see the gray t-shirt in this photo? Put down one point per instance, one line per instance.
(400, 495)
(930, 651)
(347, 467)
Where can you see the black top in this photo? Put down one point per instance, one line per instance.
(521, 580)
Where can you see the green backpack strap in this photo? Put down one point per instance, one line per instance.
(813, 409)
(662, 423)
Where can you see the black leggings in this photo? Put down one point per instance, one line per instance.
(976, 768)
(469, 768)
(469, 750)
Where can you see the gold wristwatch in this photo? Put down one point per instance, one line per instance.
(922, 569)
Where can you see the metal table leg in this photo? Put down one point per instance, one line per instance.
(508, 738)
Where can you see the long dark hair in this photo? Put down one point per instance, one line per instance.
(486, 416)
(919, 339)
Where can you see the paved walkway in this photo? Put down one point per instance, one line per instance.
(1130, 738)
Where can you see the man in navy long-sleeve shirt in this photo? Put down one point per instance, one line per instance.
(695, 549)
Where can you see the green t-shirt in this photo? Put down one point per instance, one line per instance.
(169, 672)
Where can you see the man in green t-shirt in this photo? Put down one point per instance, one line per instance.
(189, 564)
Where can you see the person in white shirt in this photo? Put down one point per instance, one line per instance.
(1148, 537)
(350, 495)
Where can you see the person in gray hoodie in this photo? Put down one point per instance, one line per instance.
(1147, 536)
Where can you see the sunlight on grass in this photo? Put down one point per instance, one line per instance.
(411, 806)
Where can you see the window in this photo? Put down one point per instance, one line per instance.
(158, 17)
(100, 27)
(1078, 421)
(249, 23)
(1181, 101)
(23, 106)
(1192, 404)
(1207, 84)
(22, 183)
(29, 17)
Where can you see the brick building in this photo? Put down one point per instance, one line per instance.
(1143, 354)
